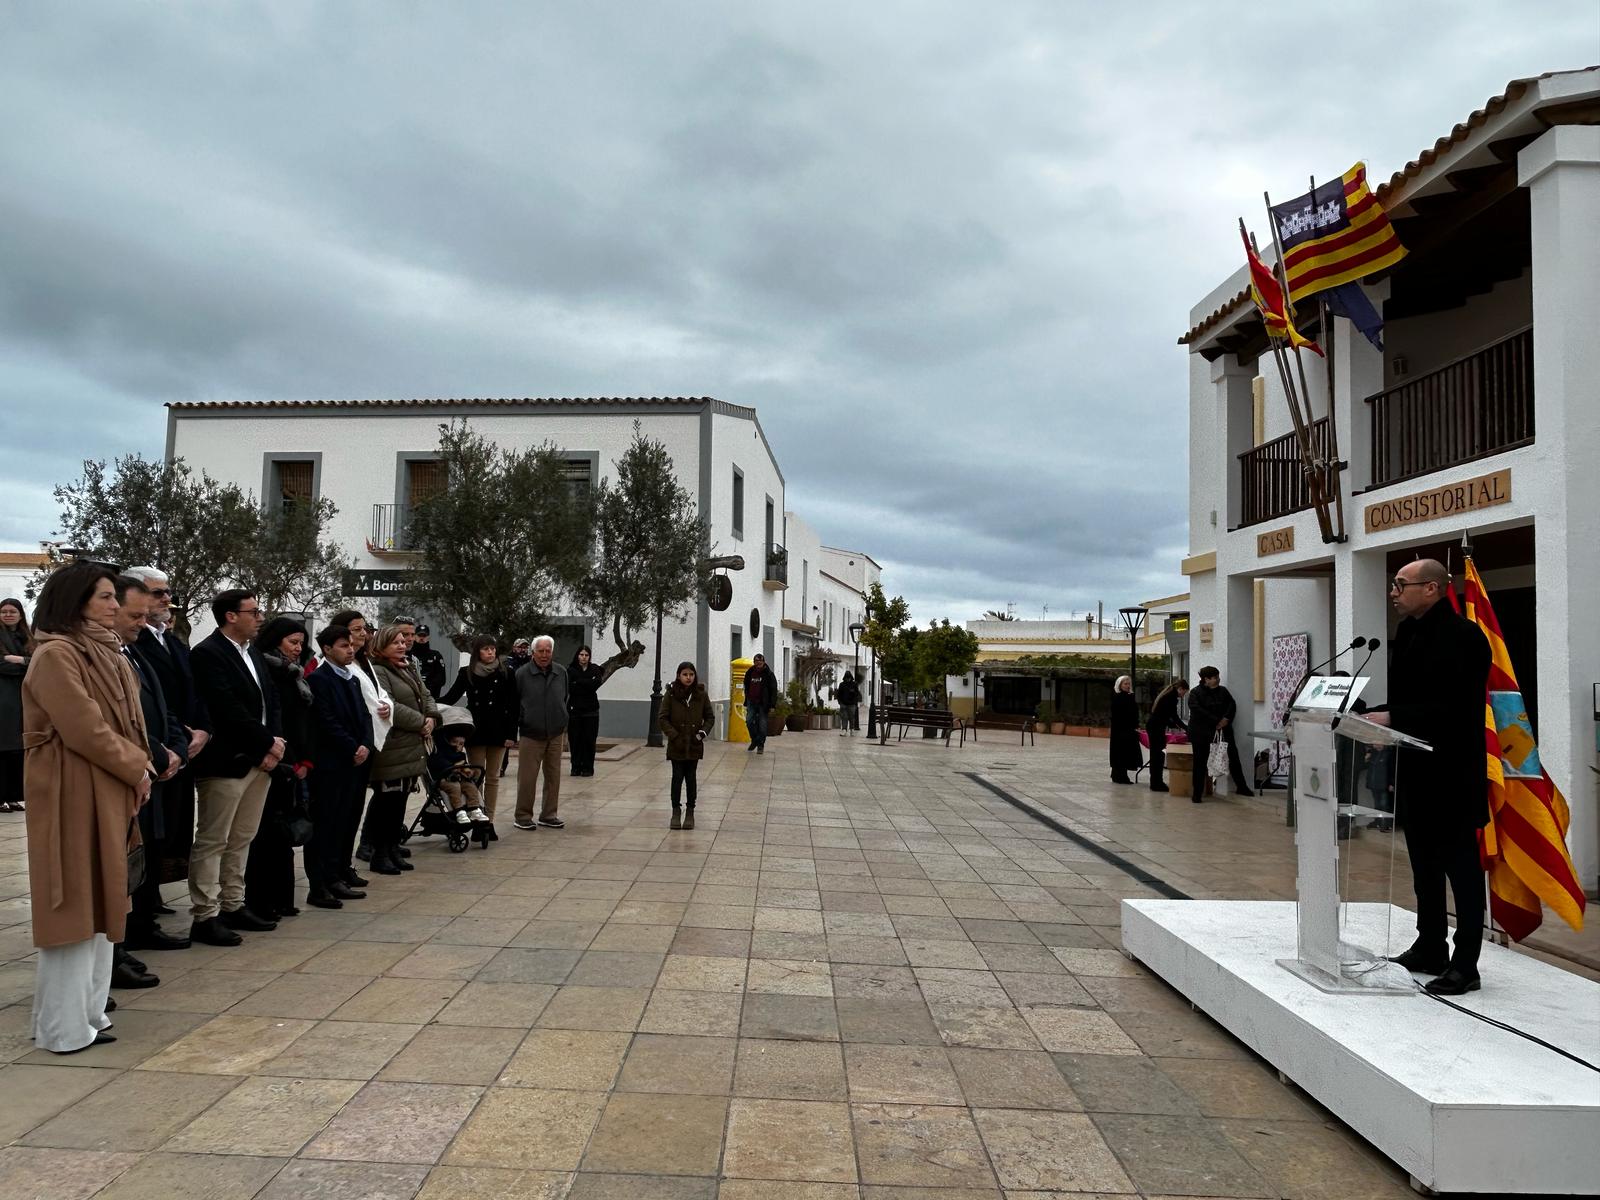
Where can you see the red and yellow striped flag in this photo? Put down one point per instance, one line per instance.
(1334, 235)
(1524, 845)
(1268, 295)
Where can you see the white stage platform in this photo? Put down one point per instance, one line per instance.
(1461, 1105)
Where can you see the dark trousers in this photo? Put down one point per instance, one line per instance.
(755, 720)
(269, 871)
(11, 777)
(358, 805)
(146, 897)
(1158, 755)
(1200, 738)
(1438, 854)
(335, 805)
(386, 812)
(683, 779)
(582, 731)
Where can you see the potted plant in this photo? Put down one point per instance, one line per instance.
(776, 718)
(794, 705)
(1045, 715)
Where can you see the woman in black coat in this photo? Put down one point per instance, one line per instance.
(584, 680)
(16, 646)
(1125, 753)
(1163, 716)
(685, 718)
(269, 871)
(491, 691)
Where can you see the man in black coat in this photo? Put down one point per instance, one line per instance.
(342, 742)
(1212, 710)
(430, 663)
(169, 752)
(760, 697)
(234, 770)
(1438, 681)
(168, 656)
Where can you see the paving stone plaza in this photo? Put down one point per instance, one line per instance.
(864, 975)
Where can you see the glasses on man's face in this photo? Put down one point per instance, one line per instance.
(248, 612)
(1400, 585)
(161, 593)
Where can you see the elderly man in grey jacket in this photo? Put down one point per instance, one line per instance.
(542, 724)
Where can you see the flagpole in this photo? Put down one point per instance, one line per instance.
(1314, 471)
(1334, 459)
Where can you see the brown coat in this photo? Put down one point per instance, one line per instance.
(681, 717)
(84, 734)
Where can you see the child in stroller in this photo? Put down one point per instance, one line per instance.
(453, 808)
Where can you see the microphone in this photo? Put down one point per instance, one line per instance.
(1372, 648)
(1357, 644)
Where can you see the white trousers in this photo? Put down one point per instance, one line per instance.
(69, 994)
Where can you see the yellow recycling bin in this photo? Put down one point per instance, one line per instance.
(738, 731)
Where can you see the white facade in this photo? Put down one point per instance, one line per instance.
(360, 451)
(820, 606)
(1535, 530)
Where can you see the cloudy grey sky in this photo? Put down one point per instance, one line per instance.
(944, 248)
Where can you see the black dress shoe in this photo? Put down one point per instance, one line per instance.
(155, 939)
(382, 864)
(398, 851)
(340, 890)
(1419, 962)
(1454, 982)
(213, 932)
(125, 975)
(111, 1005)
(354, 880)
(138, 964)
(324, 900)
(243, 918)
(1158, 787)
(100, 1039)
(291, 911)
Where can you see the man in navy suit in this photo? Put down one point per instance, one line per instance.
(169, 751)
(234, 770)
(160, 647)
(342, 744)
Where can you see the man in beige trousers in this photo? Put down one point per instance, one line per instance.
(542, 724)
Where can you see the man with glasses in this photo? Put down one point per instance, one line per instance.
(234, 769)
(167, 655)
(1438, 681)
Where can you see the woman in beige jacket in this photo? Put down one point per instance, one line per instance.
(87, 773)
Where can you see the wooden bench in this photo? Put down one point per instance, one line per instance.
(1023, 723)
(920, 718)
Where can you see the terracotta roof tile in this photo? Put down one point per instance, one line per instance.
(1387, 192)
(442, 402)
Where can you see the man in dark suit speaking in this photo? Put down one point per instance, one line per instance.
(1438, 681)
(234, 770)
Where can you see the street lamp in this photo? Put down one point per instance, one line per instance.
(1132, 618)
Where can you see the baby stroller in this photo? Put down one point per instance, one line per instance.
(437, 817)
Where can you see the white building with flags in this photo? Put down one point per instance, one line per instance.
(1479, 419)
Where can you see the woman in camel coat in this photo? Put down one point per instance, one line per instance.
(88, 772)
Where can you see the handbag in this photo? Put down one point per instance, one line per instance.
(1217, 758)
(136, 865)
(294, 817)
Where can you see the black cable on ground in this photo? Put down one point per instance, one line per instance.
(1132, 869)
(1521, 1033)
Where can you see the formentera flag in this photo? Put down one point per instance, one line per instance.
(1334, 235)
(1524, 845)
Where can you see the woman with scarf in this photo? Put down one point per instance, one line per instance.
(269, 872)
(15, 647)
(584, 680)
(491, 695)
(685, 718)
(1125, 753)
(404, 754)
(88, 773)
(381, 710)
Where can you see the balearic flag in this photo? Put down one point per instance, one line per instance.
(1268, 295)
(1524, 845)
(1335, 234)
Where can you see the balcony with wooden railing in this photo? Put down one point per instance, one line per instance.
(1272, 476)
(1474, 407)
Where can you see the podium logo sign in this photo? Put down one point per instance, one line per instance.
(1469, 495)
(1329, 691)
